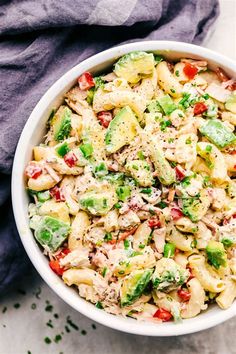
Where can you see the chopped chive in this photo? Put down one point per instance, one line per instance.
(4, 309)
(141, 245)
(49, 308)
(126, 244)
(93, 326)
(33, 306)
(177, 73)
(17, 305)
(117, 206)
(208, 148)
(57, 338)
(104, 271)
(47, 340)
(147, 190)
(99, 305)
(108, 237)
(141, 155)
(67, 329)
(49, 324)
(56, 315)
(72, 324)
(83, 332)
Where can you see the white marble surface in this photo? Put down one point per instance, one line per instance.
(23, 329)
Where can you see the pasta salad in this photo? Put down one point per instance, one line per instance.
(133, 190)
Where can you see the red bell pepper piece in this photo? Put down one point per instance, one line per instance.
(86, 81)
(57, 193)
(70, 159)
(184, 294)
(176, 214)
(199, 108)
(163, 315)
(104, 117)
(33, 170)
(190, 70)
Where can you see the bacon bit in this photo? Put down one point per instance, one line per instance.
(105, 117)
(54, 264)
(232, 152)
(180, 172)
(229, 85)
(191, 276)
(176, 214)
(86, 81)
(185, 295)
(154, 222)
(163, 315)
(170, 66)
(171, 195)
(199, 108)
(33, 170)
(190, 71)
(222, 76)
(57, 194)
(70, 159)
(124, 235)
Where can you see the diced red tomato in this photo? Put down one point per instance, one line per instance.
(86, 81)
(232, 152)
(33, 170)
(184, 294)
(104, 117)
(154, 222)
(163, 315)
(190, 70)
(57, 194)
(191, 276)
(199, 108)
(180, 172)
(176, 214)
(70, 159)
(54, 264)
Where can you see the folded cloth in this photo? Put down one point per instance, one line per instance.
(40, 40)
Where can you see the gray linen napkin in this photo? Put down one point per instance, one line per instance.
(40, 40)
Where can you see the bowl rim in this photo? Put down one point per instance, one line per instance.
(72, 298)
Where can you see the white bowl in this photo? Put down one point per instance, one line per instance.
(32, 135)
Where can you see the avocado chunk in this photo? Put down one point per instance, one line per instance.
(133, 286)
(97, 202)
(196, 207)
(216, 254)
(218, 133)
(122, 130)
(165, 173)
(140, 170)
(230, 104)
(135, 65)
(51, 232)
(61, 123)
(167, 104)
(168, 275)
(42, 196)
